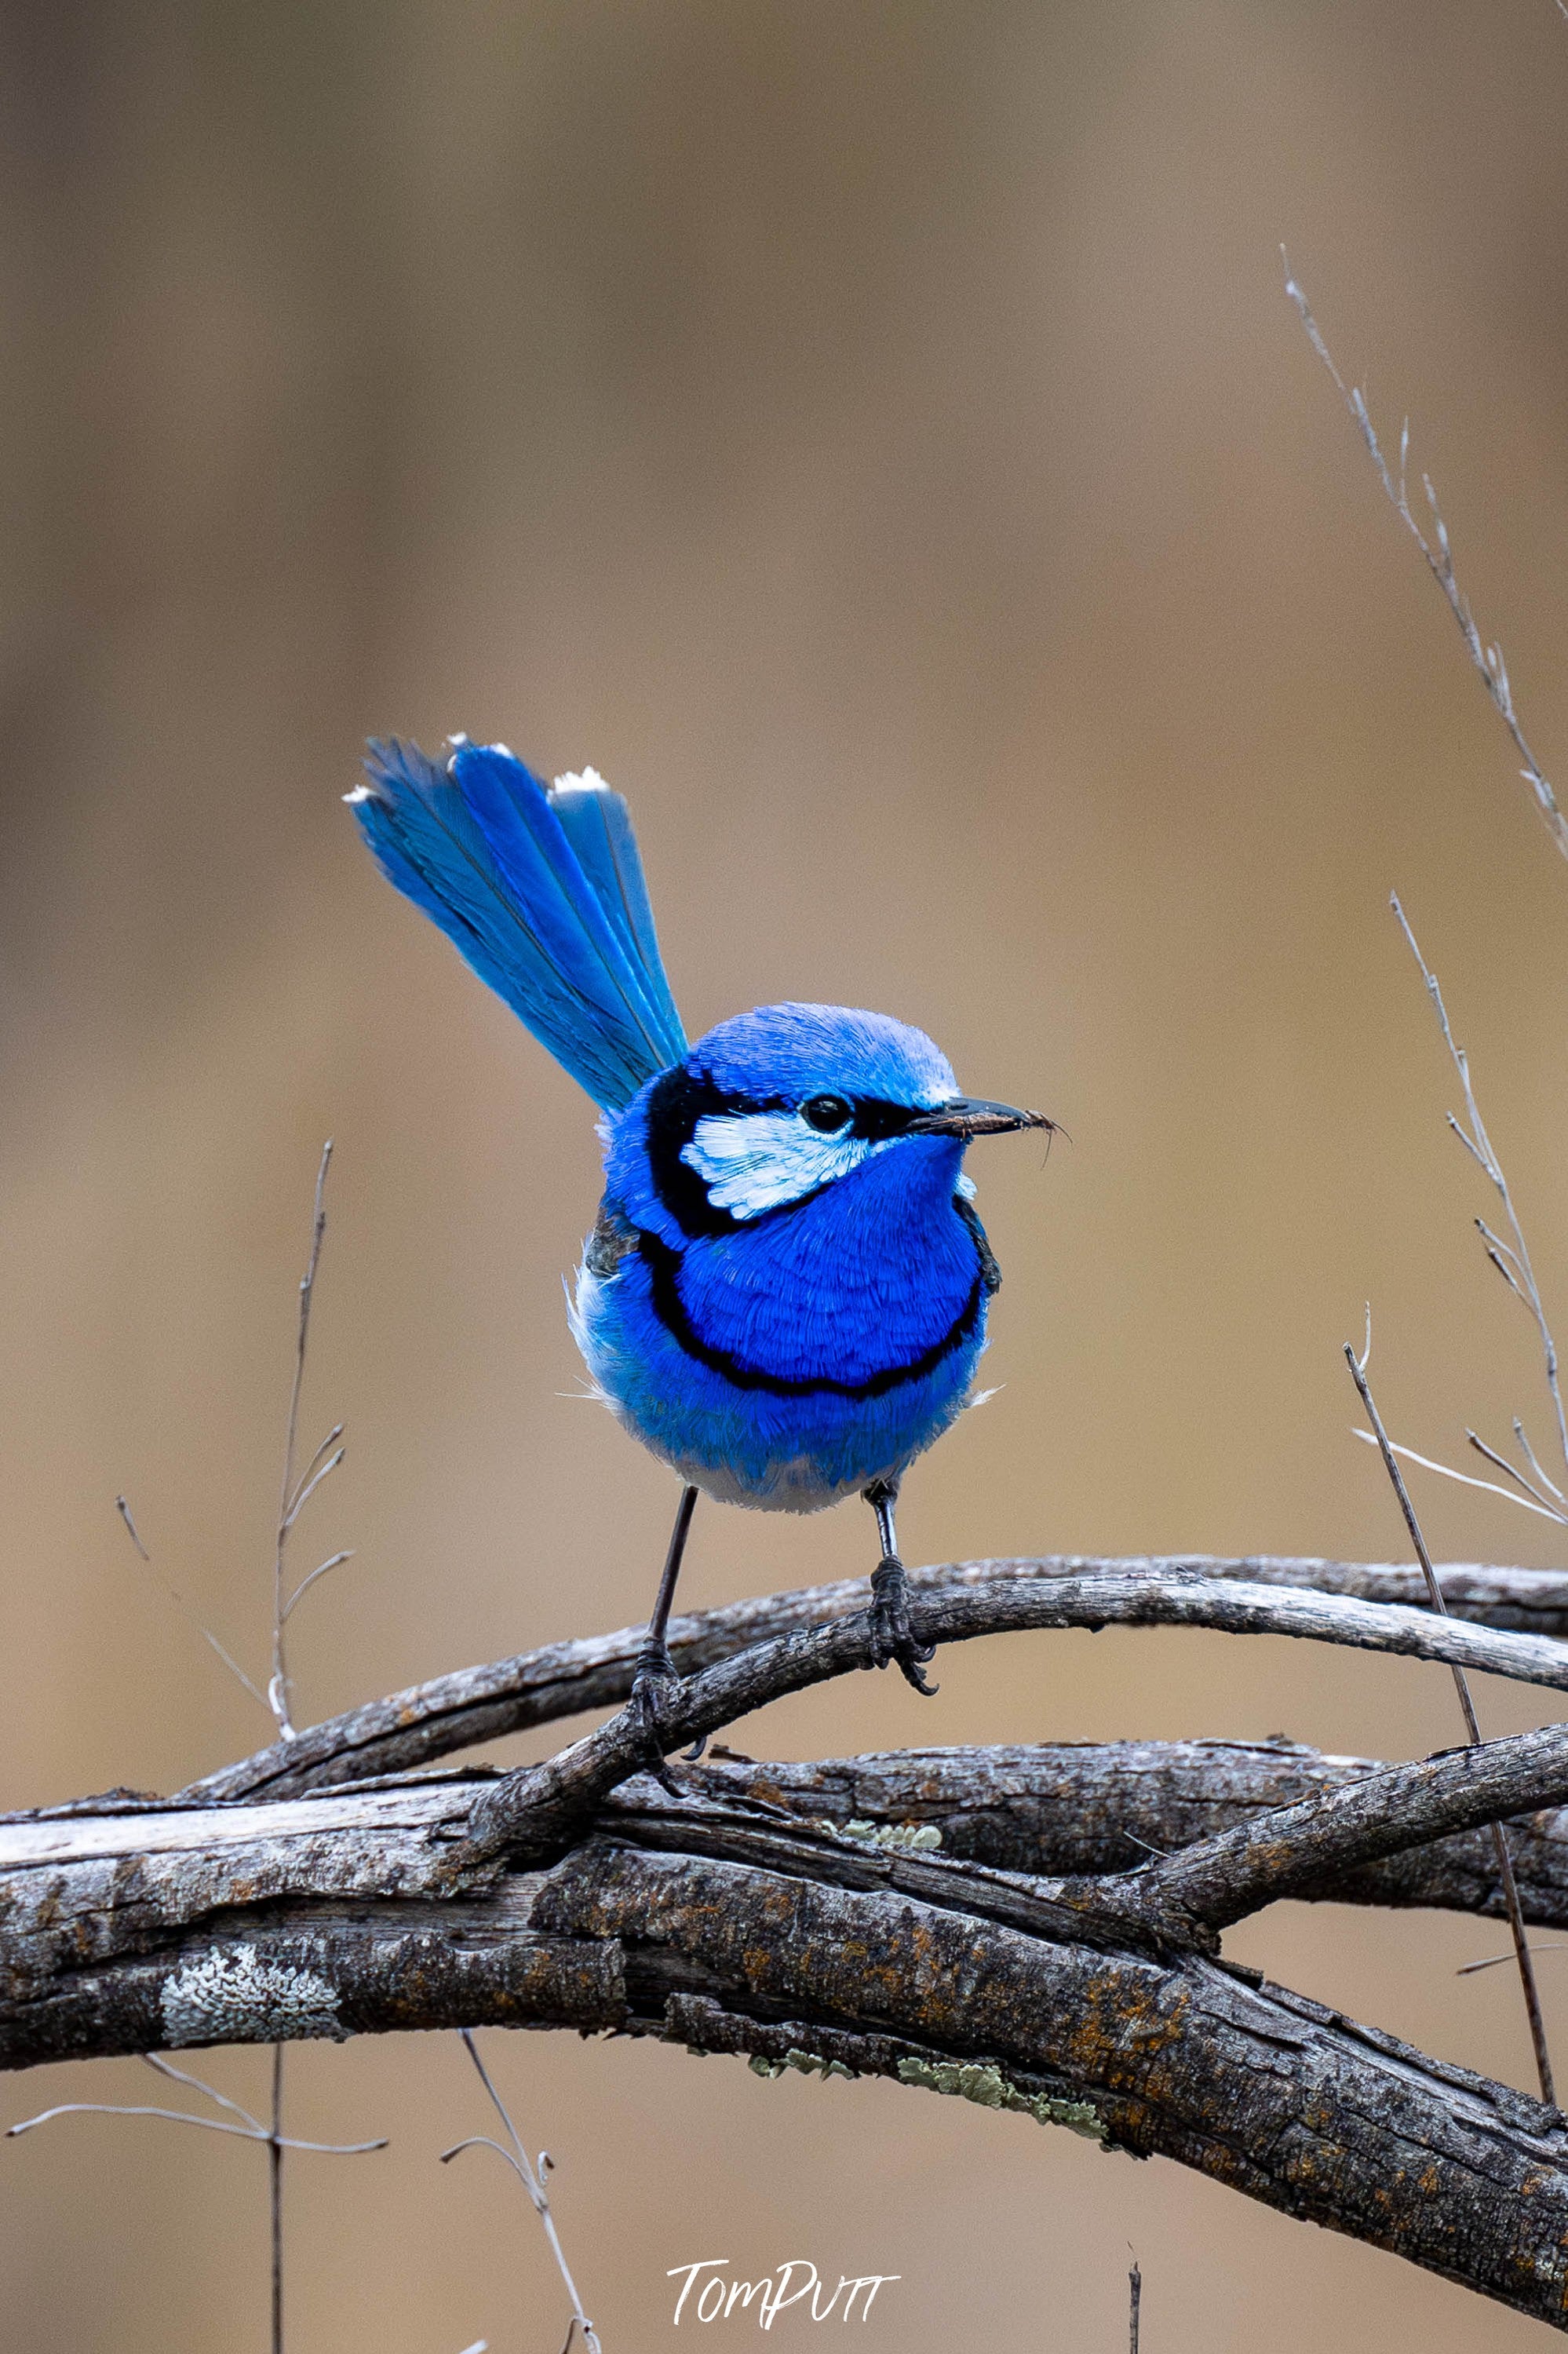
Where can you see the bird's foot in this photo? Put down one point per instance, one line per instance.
(893, 1626)
(653, 1686)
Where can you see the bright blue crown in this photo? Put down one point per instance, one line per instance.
(793, 1051)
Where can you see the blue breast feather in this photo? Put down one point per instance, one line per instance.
(542, 892)
(800, 1448)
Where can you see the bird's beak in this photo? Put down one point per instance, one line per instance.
(968, 1115)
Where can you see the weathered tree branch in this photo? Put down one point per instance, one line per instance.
(1038, 1835)
(537, 1811)
(1226, 1878)
(457, 1712)
(811, 1951)
(1017, 1960)
(1079, 1808)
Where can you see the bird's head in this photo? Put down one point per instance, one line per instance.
(773, 1106)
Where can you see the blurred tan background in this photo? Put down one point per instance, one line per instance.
(875, 436)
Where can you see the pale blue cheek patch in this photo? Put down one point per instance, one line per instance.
(756, 1161)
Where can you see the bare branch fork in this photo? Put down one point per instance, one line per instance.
(738, 1917)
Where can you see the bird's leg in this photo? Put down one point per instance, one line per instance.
(892, 1621)
(655, 1676)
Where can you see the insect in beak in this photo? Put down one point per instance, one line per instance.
(968, 1115)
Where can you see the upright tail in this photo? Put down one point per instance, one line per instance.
(541, 891)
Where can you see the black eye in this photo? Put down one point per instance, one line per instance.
(825, 1113)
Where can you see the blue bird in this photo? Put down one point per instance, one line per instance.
(785, 1293)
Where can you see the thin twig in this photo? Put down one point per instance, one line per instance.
(1439, 560)
(533, 2181)
(252, 2132)
(1463, 1479)
(1502, 1463)
(1469, 1969)
(1479, 1145)
(1529, 1456)
(275, 2197)
(309, 1489)
(136, 2109)
(184, 1607)
(1462, 1686)
(334, 1435)
(292, 1500)
(181, 2076)
(305, 1584)
(289, 1506)
(1135, 2298)
(294, 1495)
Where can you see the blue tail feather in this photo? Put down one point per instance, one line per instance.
(598, 824)
(546, 879)
(488, 855)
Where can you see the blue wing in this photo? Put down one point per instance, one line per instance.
(541, 893)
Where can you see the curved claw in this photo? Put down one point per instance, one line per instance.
(892, 1627)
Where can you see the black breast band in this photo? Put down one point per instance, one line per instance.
(664, 1265)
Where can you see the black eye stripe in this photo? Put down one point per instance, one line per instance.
(684, 1097)
(876, 1119)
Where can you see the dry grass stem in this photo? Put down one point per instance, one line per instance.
(293, 1499)
(1438, 556)
(249, 2127)
(184, 1607)
(1462, 1686)
(1465, 1479)
(1469, 1969)
(531, 2176)
(1511, 1258)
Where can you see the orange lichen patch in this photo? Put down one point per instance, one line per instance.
(1127, 2018)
